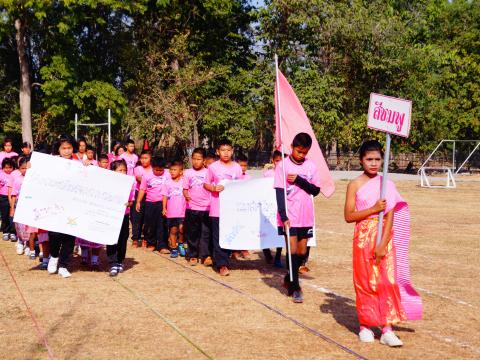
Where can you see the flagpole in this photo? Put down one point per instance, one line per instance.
(286, 229)
(386, 159)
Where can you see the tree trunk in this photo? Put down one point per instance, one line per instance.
(25, 89)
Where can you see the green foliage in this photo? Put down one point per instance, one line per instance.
(171, 68)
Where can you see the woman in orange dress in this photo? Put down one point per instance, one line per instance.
(378, 299)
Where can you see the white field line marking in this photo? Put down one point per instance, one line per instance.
(454, 341)
(461, 302)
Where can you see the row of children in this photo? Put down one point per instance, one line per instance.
(167, 204)
(187, 202)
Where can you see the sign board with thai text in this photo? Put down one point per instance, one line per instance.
(389, 114)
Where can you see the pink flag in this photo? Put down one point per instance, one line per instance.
(294, 121)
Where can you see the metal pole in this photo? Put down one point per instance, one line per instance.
(468, 157)
(287, 230)
(109, 131)
(76, 126)
(425, 162)
(453, 157)
(384, 187)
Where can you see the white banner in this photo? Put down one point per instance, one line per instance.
(389, 114)
(248, 216)
(66, 196)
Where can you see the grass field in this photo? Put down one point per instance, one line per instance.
(163, 309)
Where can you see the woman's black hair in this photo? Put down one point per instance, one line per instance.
(64, 138)
(117, 163)
(370, 145)
(302, 139)
(8, 162)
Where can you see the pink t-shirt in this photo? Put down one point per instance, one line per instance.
(111, 158)
(140, 171)
(15, 173)
(245, 177)
(300, 204)
(176, 202)
(152, 185)
(131, 197)
(269, 173)
(193, 181)
(4, 155)
(217, 172)
(131, 160)
(4, 181)
(16, 184)
(93, 162)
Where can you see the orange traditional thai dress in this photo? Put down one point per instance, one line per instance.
(378, 299)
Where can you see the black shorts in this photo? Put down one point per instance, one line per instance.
(300, 232)
(174, 222)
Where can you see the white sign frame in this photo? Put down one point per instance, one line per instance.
(66, 196)
(248, 216)
(389, 114)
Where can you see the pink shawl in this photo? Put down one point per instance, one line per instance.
(366, 197)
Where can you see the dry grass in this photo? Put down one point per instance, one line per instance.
(150, 310)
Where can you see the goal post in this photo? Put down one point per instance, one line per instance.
(462, 152)
(108, 124)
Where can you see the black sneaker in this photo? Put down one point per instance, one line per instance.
(297, 297)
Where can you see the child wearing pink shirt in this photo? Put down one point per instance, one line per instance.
(302, 180)
(130, 157)
(242, 160)
(7, 150)
(197, 222)
(91, 156)
(7, 229)
(151, 188)
(14, 187)
(223, 169)
(174, 205)
(137, 217)
(116, 252)
(103, 161)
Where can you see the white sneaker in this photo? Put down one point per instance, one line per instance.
(366, 335)
(27, 251)
(19, 248)
(390, 339)
(6, 237)
(63, 272)
(52, 265)
(13, 237)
